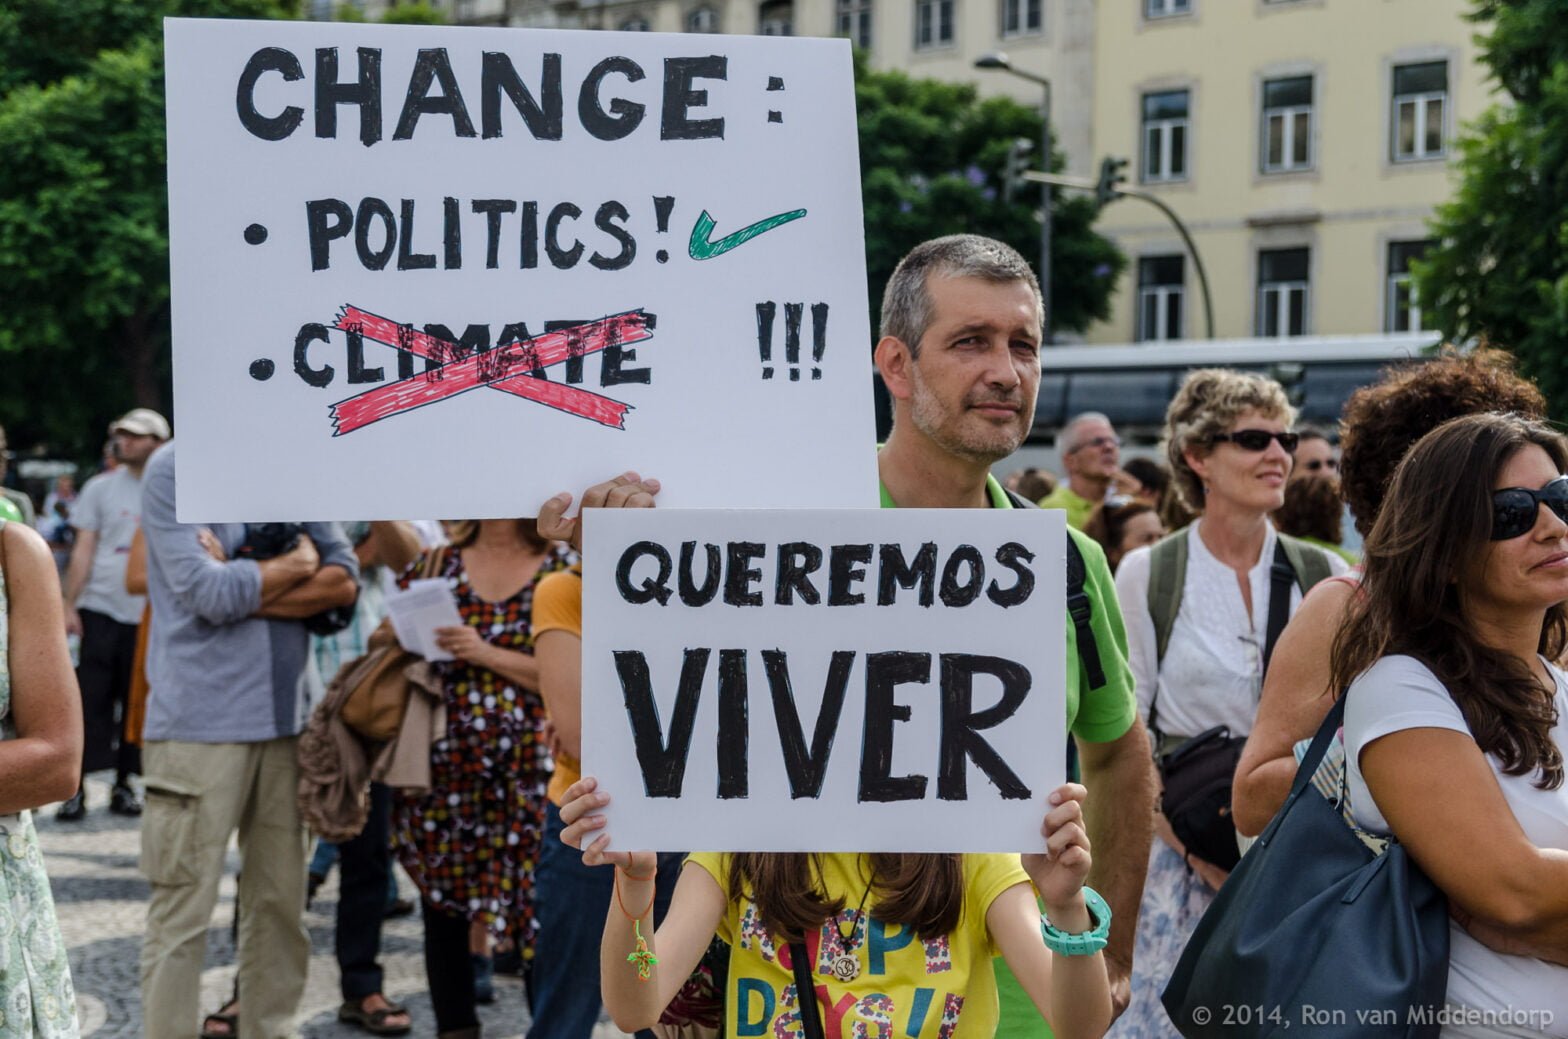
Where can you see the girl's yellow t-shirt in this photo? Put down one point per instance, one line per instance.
(942, 988)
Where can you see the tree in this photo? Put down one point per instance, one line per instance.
(932, 156)
(84, 329)
(1499, 270)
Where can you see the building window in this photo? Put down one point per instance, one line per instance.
(1403, 311)
(1166, 8)
(1022, 17)
(933, 23)
(1420, 103)
(776, 18)
(1282, 292)
(636, 23)
(1287, 124)
(1165, 136)
(1161, 291)
(702, 19)
(854, 22)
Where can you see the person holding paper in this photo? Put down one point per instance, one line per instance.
(469, 843)
(907, 939)
(960, 356)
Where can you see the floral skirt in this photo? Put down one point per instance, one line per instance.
(1174, 900)
(37, 1000)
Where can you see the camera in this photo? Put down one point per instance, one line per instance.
(270, 540)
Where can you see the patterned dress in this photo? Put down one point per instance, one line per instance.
(471, 843)
(37, 1000)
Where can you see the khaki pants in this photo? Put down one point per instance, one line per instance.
(198, 794)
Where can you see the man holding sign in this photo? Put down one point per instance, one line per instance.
(960, 356)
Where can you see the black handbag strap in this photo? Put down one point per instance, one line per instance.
(805, 992)
(1281, 577)
(1314, 756)
(1080, 608)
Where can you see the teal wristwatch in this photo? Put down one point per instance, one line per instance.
(1084, 943)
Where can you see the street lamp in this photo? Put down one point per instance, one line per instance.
(998, 60)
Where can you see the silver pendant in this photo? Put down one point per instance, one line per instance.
(846, 967)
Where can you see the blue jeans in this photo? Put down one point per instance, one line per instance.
(572, 900)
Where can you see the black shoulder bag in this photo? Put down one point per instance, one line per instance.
(1314, 918)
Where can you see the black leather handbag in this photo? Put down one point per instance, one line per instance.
(1195, 794)
(1315, 933)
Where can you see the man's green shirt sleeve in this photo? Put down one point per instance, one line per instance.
(1104, 714)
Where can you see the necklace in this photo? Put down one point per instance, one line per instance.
(846, 965)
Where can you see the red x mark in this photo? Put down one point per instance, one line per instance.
(459, 373)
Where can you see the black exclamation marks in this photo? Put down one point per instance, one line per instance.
(794, 315)
(663, 206)
(819, 337)
(765, 313)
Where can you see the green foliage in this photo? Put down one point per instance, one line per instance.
(414, 14)
(84, 210)
(932, 155)
(1500, 269)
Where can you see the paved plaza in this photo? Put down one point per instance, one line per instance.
(102, 903)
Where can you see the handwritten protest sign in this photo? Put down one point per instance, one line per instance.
(455, 270)
(825, 680)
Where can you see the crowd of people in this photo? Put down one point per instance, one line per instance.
(1224, 619)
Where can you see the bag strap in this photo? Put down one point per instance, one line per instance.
(435, 562)
(1320, 743)
(805, 992)
(1079, 606)
(1167, 576)
(1310, 562)
(1281, 576)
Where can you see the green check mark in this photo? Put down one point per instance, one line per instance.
(701, 248)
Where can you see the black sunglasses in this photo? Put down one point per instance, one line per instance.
(1322, 463)
(1514, 509)
(1257, 439)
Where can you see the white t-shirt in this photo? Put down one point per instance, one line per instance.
(111, 505)
(1213, 669)
(1400, 693)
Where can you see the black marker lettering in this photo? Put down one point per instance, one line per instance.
(1009, 555)
(624, 116)
(651, 588)
(662, 760)
(693, 594)
(962, 724)
(807, 768)
(955, 594)
(680, 98)
(542, 117)
(798, 560)
(734, 728)
(843, 573)
(605, 220)
(317, 377)
(327, 219)
(894, 573)
(885, 672)
(268, 128)
(740, 575)
(433, 63)
(365, 92)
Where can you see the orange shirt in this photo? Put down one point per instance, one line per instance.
(558, 606)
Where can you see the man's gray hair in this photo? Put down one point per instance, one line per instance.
(1069, 437)
(906, 305)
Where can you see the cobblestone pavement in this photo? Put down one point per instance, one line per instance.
(101, 899)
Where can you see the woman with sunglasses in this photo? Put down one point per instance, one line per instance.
(1228, 442)
(1381, 423)
(1454, 722)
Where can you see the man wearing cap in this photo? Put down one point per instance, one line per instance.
(102, 612)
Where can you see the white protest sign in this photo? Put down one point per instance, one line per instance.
(452, 270)
(812, 680)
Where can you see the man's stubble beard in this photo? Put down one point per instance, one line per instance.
(932, 418)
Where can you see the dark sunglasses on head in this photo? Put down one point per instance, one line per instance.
(1313, 466)
(1514, 509)
(1257, 439)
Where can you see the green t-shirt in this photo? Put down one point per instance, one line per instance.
(1097, 716)
(9, 511)
(1064, 497)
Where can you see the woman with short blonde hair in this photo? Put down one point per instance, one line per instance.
(1198, 644)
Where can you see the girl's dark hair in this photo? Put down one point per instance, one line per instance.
(1107, 523)
(1150, 473)
(1381, 421)
(1424, 554)
(1312, 509)
(921, 892)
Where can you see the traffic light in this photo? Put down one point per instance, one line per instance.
(1112, 176)
(1017, 164)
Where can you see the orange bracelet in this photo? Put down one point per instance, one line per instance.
(641, 957)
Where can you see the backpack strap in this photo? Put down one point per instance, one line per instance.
(1080, 608)
(1295, 562)
(1167, 576)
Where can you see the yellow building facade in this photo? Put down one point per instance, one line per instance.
(1303, 142)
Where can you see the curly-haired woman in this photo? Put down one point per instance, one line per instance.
(1229, 444)
(1380, 424)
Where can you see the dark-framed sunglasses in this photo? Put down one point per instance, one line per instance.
(1257, 439)
(1095, 442)
(1331, 464)
(1514, 509)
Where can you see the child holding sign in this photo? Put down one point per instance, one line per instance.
(891, 944)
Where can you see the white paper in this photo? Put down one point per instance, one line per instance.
(951, 634)
(256, 326)
(417, 611)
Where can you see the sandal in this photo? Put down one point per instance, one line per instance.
(374, 1021)
(227, 1018)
